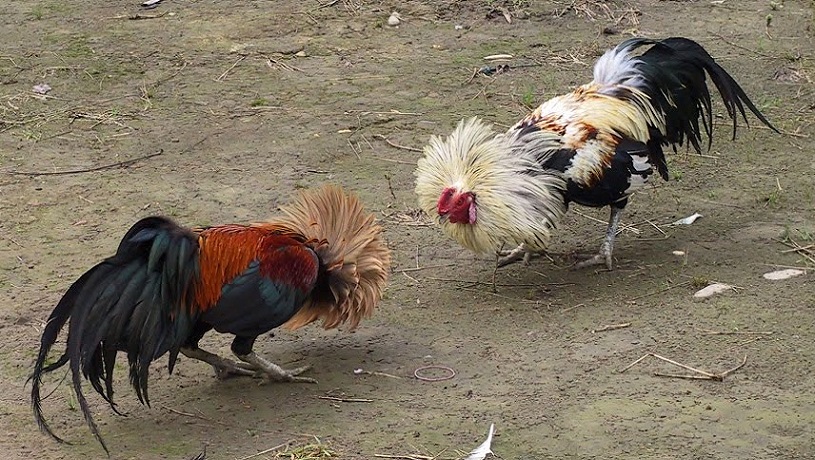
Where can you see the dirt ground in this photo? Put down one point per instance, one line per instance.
(250, 101)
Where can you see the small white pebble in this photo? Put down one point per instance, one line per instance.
(678, 253)
(458, 27)
(712, 289)
(358, 371)
(783, 274)
(394, 19)
(42, 88)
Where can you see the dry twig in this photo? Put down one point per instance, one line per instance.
(698, 373)
(684, 283)
(119, 164)
(806, 252)
(139, 16)
(346, 400)
(741, 47)
(427, 267)
(711, 332)
(395, 145)
(379, 374)
(611, 327)
(201, 417)
(267, 451)
(222, 77)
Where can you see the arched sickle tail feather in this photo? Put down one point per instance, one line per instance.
(59, 316)
(672, 73)
(732, 94)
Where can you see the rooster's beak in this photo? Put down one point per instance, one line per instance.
(443, 218)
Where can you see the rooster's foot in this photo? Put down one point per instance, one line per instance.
(224, 368)
(607, 248)
(603, 257)
(274, 372)
(520, 253)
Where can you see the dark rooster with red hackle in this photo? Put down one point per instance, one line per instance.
(167, 286)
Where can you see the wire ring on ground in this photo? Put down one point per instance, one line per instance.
(418, 373)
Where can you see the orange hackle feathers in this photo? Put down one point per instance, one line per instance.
(349, 245)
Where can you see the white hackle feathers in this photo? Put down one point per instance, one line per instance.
(517, 201)
(481, 452)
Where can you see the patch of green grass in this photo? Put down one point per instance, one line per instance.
(528, 98)
(797, 234)
(77, 47)
(766, 103)
(33, 136)
(147, 93)
(676, 174)
(698, 282)
(260, 102)
(773, 199)
(37, 13)
(72, 45)
(71, 400)
(109, 69)
(805, 235)
(501, 47)
(808, 194)
(461, 59)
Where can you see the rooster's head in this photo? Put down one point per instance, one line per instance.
(487, 190)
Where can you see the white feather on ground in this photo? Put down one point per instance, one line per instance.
(481, 452)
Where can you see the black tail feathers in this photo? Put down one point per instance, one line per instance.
(686, 51)
(672, 72)
(132, 302)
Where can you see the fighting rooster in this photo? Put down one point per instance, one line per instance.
(594, 146)
(167, 286)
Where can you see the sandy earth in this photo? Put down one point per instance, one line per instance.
(250, 101)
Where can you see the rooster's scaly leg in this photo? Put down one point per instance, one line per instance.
(607, 248)
(242, 347)
(224, 368)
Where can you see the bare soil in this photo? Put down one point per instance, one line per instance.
(249, 101)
